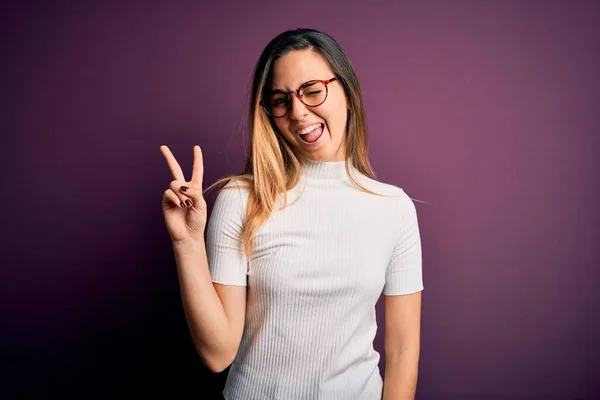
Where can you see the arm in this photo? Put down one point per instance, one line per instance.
(402, 345)
(404, 283)
(215, 313)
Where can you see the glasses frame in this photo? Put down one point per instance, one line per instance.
(299, 96)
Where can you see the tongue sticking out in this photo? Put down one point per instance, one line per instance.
(313, 136)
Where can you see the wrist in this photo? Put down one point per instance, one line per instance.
(188, 244)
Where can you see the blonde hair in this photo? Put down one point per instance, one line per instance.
(272, 166)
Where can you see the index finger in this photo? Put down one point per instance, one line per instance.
(173, 164)
(198, 167)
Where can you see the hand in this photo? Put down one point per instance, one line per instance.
(184, 220)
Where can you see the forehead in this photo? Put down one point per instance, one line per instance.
(297, 67)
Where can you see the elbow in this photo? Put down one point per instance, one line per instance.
(218, 366)
(216, 363)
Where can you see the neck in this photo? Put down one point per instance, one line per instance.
(326, 169)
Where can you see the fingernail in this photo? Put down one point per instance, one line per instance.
(181, 204)
(188, 202)
(184, 188)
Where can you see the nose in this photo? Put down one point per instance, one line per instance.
(297, 108)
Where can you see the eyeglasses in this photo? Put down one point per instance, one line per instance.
(311, 94)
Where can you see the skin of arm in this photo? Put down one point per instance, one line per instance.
(214, 313)
(402, 346)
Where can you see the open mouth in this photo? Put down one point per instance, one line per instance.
(311, 134)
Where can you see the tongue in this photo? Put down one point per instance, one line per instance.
(312, 137)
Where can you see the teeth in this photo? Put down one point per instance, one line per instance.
(309, 129)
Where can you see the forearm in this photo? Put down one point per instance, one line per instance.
(401, 373)
(203, 309)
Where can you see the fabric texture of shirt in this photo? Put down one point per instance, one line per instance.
(317, 270)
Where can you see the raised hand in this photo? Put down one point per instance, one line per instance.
(183, 204)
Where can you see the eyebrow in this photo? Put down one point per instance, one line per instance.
(277, 90)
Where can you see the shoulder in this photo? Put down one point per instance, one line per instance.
(383, 188)
(393, 195)
(240, 182)
(233, 194)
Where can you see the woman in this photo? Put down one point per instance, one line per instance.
(300, 246)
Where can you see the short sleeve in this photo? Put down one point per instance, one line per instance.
(404, 273)
(227, 263)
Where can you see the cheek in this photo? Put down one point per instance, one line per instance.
(282, 125)
(336, 115)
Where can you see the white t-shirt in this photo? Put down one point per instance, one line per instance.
(317, 270)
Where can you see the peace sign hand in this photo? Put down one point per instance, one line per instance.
(183, 204)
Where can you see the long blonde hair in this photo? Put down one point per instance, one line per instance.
(273, 167)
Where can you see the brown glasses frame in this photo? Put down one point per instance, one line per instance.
(297, 93)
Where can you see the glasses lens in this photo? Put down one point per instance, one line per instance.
(278, 104)
(312, 94)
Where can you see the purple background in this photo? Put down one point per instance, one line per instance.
(486, 111)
